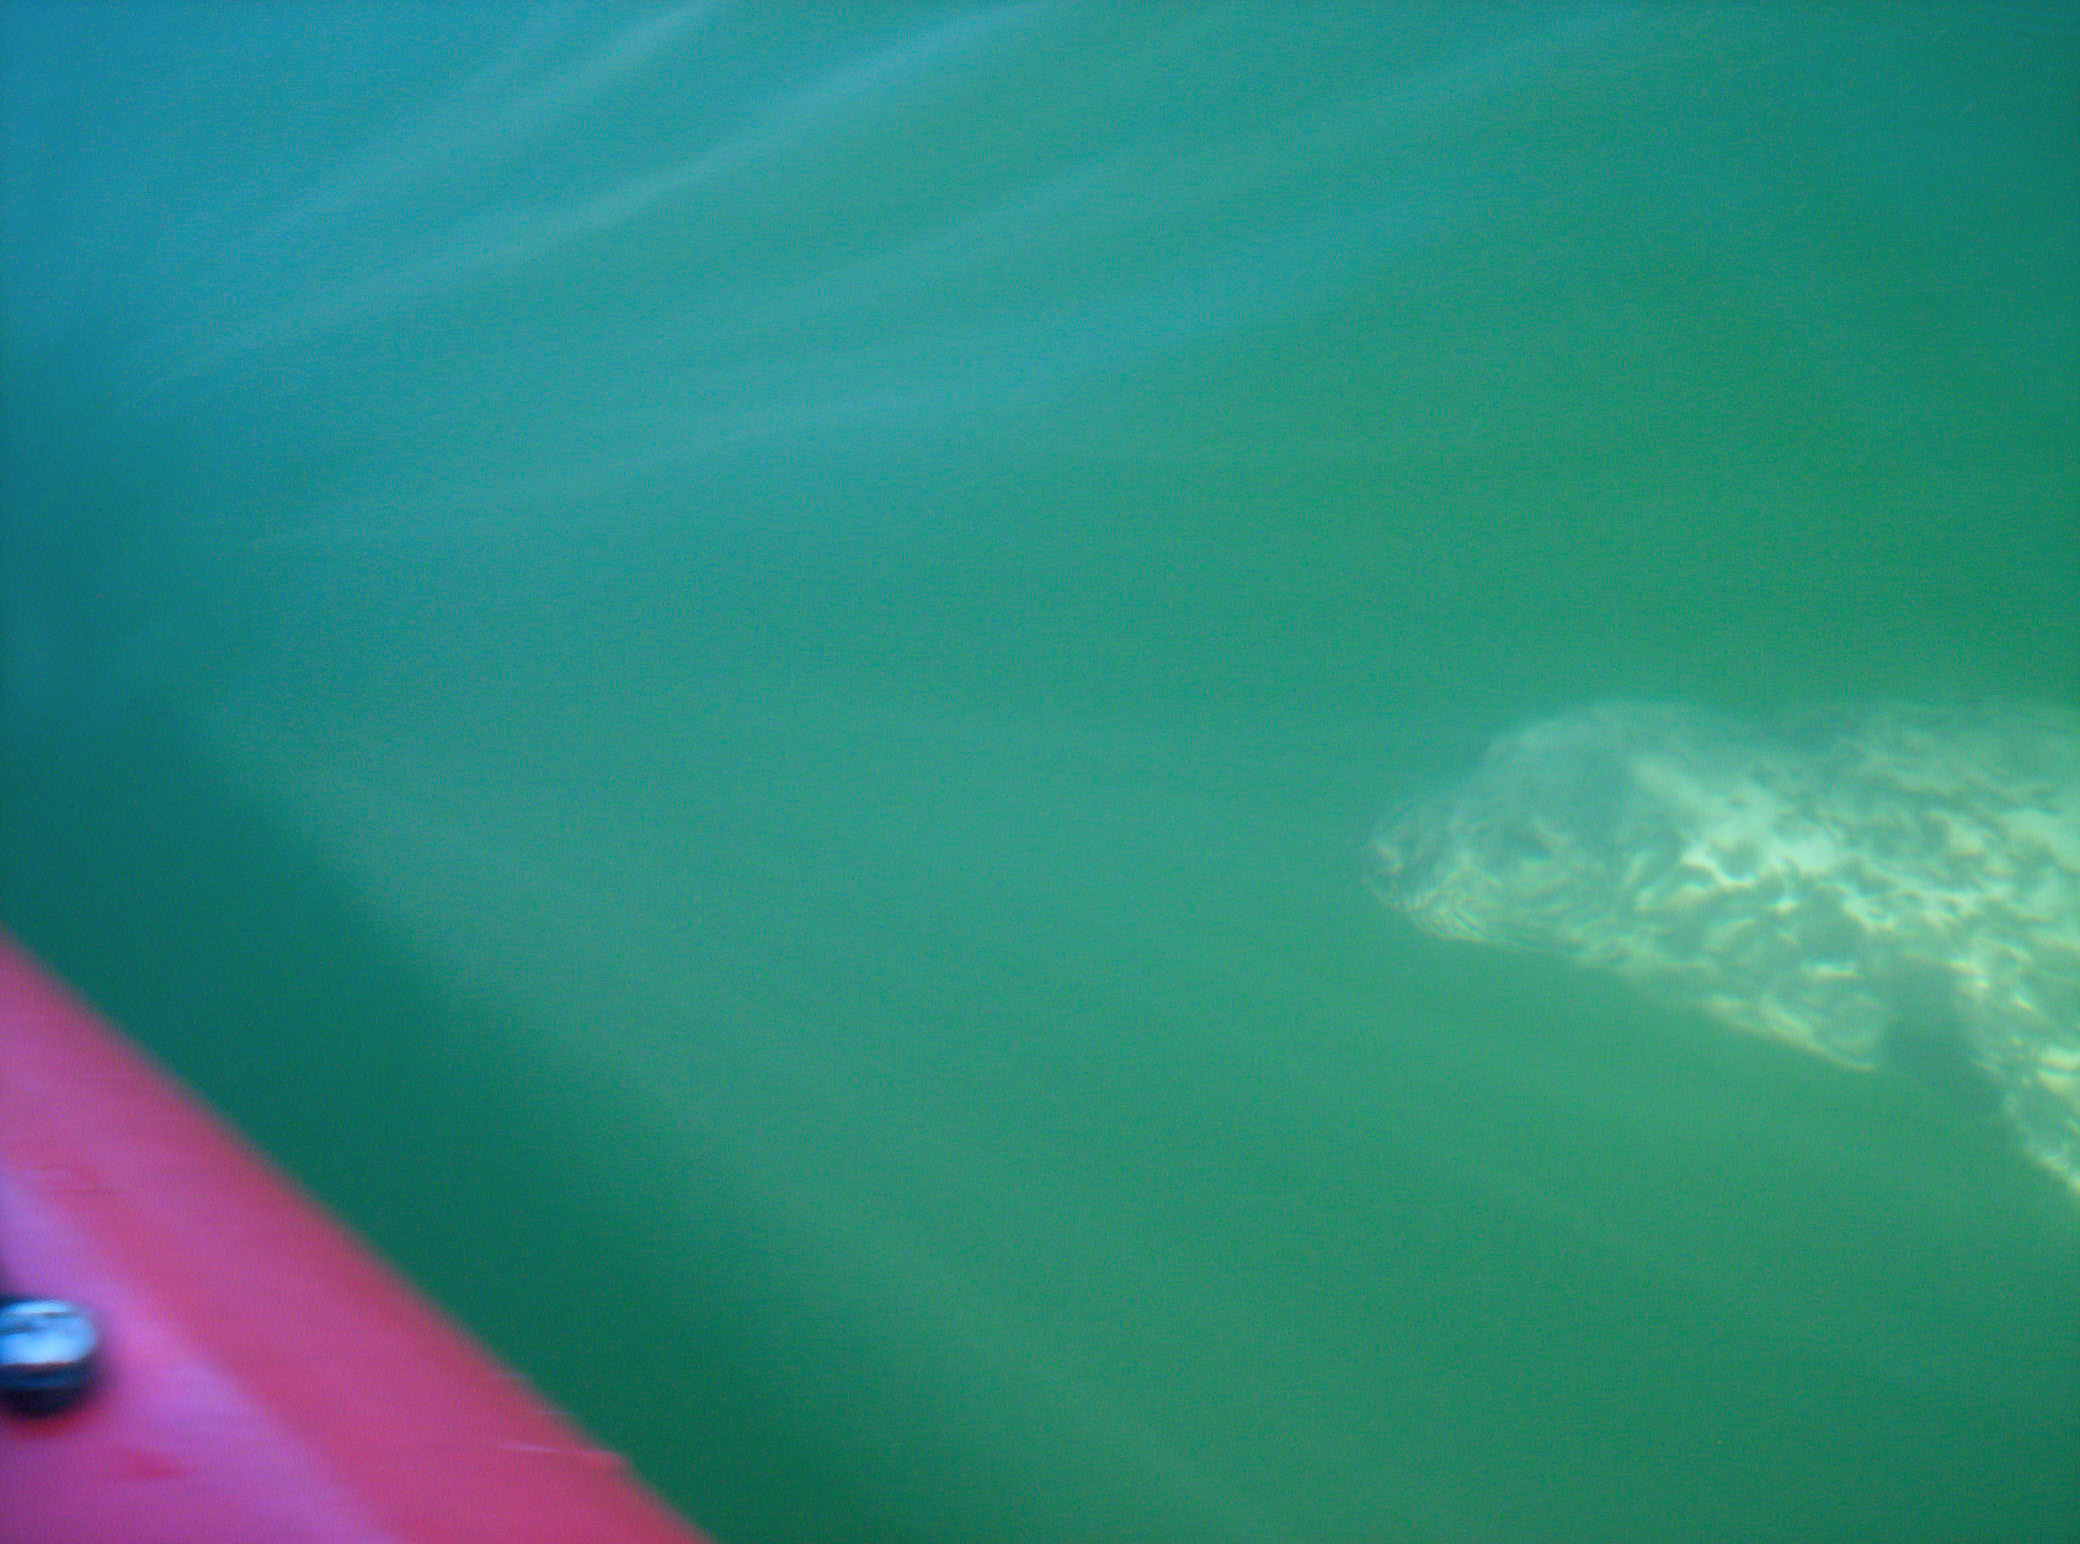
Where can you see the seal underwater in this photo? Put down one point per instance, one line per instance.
(1879, 883)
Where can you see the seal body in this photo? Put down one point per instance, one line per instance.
(1870, 882)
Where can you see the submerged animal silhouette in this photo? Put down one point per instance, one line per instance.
(1875, 883)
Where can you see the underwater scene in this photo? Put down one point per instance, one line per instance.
(1254, 774)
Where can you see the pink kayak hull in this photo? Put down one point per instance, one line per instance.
(266, 1380)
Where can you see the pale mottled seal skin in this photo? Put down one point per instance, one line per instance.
(1873, 883)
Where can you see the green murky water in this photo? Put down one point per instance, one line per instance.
(724, 667)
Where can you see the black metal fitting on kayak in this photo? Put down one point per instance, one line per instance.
(50, 1352)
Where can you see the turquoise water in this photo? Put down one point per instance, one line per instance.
(725, 668)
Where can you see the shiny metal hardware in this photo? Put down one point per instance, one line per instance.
(49, 1354)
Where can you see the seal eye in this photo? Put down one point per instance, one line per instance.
(1528, 844)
